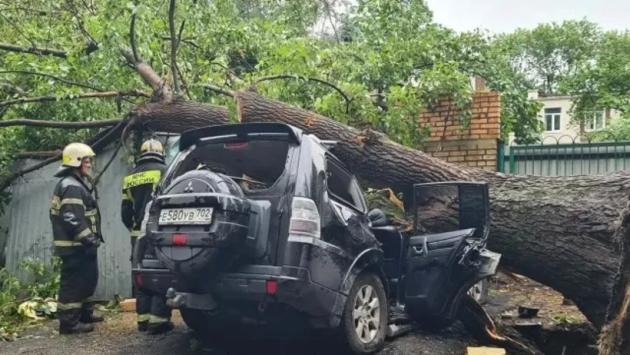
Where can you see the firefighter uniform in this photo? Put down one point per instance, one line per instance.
(138, 188)
(75, 222)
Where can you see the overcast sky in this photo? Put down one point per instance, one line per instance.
(506, 15)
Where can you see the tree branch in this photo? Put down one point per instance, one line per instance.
(31, 10)
(184, 84)
(97, 143)
(37, 154)
(298, 77)
(218, 89)
(132, 37)
(228, 71)
(149, 76)
(109, 162)
(188, 41)
(33, 50)
(91, 44)
(90, 95)
(56, 78)
(174, 43)
(11, 88)
(58, 124)
(6, 182)
(179, 34)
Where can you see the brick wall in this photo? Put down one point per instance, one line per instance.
(475, 145)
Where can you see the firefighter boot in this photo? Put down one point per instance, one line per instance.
(88, 316)
(77, 328)
(160, 328)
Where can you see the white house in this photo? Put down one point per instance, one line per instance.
(558, 125)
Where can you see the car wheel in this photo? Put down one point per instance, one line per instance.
(479, 291)
(206, 331)
(364, 321)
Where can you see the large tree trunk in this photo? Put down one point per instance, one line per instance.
(178, 116)
(563, 232)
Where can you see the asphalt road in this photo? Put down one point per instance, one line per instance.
(117, 335)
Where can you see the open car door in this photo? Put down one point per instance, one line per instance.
(446, 253)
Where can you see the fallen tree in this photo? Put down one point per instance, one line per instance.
(568, 233)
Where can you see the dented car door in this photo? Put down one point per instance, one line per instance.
(446, 253)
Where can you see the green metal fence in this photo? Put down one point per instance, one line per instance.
(564, 159)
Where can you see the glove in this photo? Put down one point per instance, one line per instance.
(91, 241)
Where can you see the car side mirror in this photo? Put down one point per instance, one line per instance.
(377, 218)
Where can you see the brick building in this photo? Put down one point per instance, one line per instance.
(474, 145)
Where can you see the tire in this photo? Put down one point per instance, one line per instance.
(365, 315)
(206, 331)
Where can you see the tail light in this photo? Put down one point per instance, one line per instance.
(139, 280)
(272, 287)
(235, 146)
(305, 219)
(179, 239)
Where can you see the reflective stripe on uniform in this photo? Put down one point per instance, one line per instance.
(91, 212)
(93, 222)
(72, 201)
(55, 202)
(146, 177)
(136, 233)
(69, 306)
(143, 317)
(85, 233)
(155, 319)
(67, 243)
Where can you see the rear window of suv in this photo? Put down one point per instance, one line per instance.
(254, 164)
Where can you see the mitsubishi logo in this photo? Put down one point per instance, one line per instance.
(189, 187)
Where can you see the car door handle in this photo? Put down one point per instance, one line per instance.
(417, 251)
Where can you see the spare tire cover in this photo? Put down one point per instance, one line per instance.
(197, 261)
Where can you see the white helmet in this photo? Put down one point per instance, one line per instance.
(152, 146)
(74, 153)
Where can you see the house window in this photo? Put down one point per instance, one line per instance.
(597, 121)
(552, 119)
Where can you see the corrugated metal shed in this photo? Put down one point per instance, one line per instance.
(30, 234)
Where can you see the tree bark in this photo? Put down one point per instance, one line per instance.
(178, 116)
(161, 91)
(562, 232)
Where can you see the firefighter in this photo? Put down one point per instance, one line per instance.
(75, 222)
(138, 188)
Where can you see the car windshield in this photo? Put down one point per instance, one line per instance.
(254, 164)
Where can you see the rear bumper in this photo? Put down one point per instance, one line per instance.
(156, 280)
(295, 290)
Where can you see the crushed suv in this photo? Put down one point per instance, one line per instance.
(260, 224)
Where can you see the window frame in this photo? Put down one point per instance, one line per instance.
(354, 184)
(592, 122)
(553, 116)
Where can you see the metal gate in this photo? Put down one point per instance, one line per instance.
(562, 159)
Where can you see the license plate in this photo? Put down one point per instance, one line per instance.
(186, 216)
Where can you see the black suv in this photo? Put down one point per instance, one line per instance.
(261, 224)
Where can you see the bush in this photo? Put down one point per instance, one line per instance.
(24, 303)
